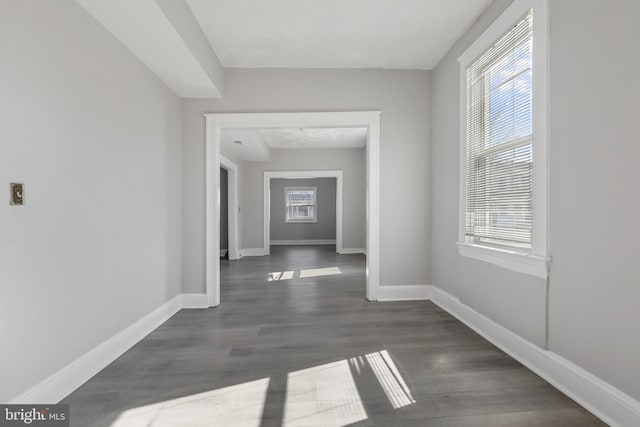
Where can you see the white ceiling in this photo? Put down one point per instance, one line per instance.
(315, 138)
(256, 144)
(395, 34)
(252, 149)
(166, 37)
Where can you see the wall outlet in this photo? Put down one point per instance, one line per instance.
(16, 194)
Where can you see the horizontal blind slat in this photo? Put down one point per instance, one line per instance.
(499, 166)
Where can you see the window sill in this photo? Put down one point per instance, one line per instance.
(511, 260)
(300, 221)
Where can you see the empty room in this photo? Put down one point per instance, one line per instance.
(319, 213)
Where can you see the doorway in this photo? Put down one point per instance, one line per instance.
(294, 175)
(302, 211)
(216, 122)
(231, 207)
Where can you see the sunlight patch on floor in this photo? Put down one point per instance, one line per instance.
(390, 379)
(324, 395)
(238, 405)
(277, 276)
(316, 272)
(280, 275)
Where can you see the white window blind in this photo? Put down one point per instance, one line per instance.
(499, 156)
(301, 204)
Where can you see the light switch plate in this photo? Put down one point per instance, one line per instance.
(16, 194)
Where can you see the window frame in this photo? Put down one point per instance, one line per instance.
(535, 261)
(289, 220)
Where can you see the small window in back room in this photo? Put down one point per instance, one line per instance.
(301, 204)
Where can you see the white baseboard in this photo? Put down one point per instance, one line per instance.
(263, 252)
(59, 385)
(348, 251)
(599, 397)
(56, 387)
(195, 301)
(302, 242)
(253, 252)
(404, 293)
(223, 253)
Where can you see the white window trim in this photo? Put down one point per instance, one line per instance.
(536, 262)
(300, 220)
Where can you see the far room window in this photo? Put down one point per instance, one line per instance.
(503, 147)
(301, 204)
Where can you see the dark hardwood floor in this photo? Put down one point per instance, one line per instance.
(295, 343)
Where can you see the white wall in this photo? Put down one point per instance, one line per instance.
(514, 300)
(595, 238)
(594, 292)
(324, 227)
(95, 137)
(404, 99)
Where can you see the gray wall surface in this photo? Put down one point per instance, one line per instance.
(323, 229)
(95, 137)
(351, 161)
(594, 292)
(514, 300)
(595, 238)
(404, 99)
(224, 209)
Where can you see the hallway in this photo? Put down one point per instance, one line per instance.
(295, 343)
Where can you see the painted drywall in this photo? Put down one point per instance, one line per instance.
(514, 300)
(181, 17)
(224, 209)
(404, 99)
(595, 238)
(95, 137)
(593, 288)
(325, 226)
(351, 161)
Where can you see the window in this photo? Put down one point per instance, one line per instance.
(503, 146)
(301, 204)
(499, 190)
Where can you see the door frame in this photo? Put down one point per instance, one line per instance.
(215, 122)
(304, 174)
(232, 206)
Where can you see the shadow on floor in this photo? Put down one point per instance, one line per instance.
(310, 350)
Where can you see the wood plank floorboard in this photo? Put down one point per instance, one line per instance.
(295, 343)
